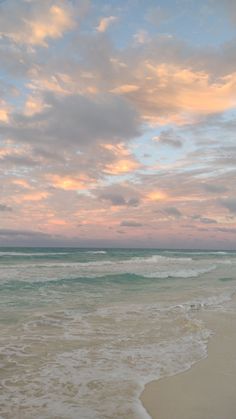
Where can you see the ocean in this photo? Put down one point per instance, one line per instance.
(83, 330)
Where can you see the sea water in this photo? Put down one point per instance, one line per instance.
(82, 331)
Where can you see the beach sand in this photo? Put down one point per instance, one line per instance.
(208, 389)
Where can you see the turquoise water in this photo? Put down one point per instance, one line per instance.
(82, 330)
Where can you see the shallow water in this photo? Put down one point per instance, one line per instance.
(82, 331)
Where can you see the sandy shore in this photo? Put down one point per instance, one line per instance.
(208, 389)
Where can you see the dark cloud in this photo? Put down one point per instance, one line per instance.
(206, 220)
(195, 217)
(202, 229)
(226, 230)
(5, 208)
(214, 188)
(202, 219)
(4, 232)
(48, 154)
(114, 198)
(120, 195)
(119, 200)
(230, 204)
(133, 202)
(17, 160)
(127, 223)
(76, 120)
(170, 138)
(15, 237)
(173, 212)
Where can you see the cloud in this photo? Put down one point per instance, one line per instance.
(21, 237)
(4, 111)
(230, 204)
(125, 88)
(4, 232)
(156, 195)
(76, 120)
(70, 183)
(22, 183)
(77, 115)
(173, 212)
(226, 230)
(206, 220)
(33, 105)
(5, 208)
(133, 202)
(127, 223)
(32, 196)
(213, 188)
(169, 137)
(105, 22)
(176, 93)
(32, 23)
(115, 199)
(119, 160)
(120, 196)
(142, 37)
(18, 160)
(118, 199)
(121, 166)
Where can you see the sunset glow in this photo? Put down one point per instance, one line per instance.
(117, 123)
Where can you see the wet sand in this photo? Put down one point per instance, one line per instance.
(208, 389)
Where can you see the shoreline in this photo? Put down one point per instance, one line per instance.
(207, 389)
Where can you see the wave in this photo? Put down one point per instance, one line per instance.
(112, 366)
(184, 273)
(199, 252)
(213, 302)
(156, 266)
(116, 262)
(69, 333)
(96, 252)
(33, 254)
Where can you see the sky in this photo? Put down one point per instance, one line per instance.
(117, 123)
